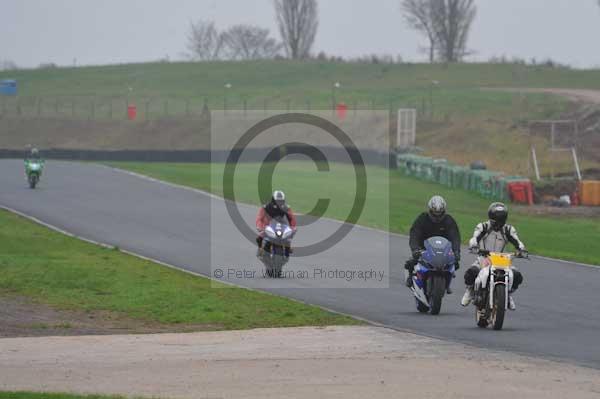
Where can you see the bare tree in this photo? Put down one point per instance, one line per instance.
(205, 43)
(298, 22)
(452, 23)
(419, 15)
(247, 42)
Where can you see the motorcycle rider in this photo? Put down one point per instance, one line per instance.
(34, 155)
(276, 208)
(433, 223)
(493, 235)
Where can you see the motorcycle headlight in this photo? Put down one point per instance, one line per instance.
(270, 232)
(279, 233)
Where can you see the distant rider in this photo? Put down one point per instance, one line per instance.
(493, 235)
(433, 223)
(274, 209)
(34, 155)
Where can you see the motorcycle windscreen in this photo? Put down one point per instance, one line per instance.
(438, 253)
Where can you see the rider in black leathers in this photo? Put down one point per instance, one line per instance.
(433, 223)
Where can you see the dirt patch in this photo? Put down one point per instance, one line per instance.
(585, 109)
(331, 362)
(19, 317)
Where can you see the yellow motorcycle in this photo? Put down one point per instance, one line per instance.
(492, 287)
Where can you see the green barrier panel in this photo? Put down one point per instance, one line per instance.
(486, 183)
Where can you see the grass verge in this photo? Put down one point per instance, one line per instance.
(569, 238)
(67, 273)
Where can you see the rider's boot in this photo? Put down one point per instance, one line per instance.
(511, 303)
(467, 297)
(449, 290)
(408, 278)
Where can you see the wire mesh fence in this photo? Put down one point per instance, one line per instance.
(149, 108)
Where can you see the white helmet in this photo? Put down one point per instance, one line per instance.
(279, 198)
(436, 208)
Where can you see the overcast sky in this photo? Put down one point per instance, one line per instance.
(117, 31)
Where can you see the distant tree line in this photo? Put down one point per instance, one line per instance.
(239, 42)
(445, 24)
(297, 21)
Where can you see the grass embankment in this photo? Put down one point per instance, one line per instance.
(67, 273)
(457, 120)
(280, 81)
(182, 88)
(569, 238)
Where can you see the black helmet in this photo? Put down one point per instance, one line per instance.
(279, 199)
(498, 213)
(436, 208)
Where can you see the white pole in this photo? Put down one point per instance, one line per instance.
(576, 163)
(413, 139)
(535, 164)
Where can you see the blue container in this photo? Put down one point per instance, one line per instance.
(8, 87)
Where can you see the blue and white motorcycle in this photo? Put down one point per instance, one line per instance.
(433, 274)
(277, 247)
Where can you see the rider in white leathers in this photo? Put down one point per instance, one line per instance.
(493, 235)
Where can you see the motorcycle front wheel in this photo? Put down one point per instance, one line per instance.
(276, 262)
(438, 287)
(499, 307)
(33, 181)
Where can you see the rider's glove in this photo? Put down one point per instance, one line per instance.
(417, 254)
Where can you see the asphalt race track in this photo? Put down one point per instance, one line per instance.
(558, 314)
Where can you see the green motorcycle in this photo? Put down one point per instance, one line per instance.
(33, 170)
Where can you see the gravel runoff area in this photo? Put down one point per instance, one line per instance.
(330, 362)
